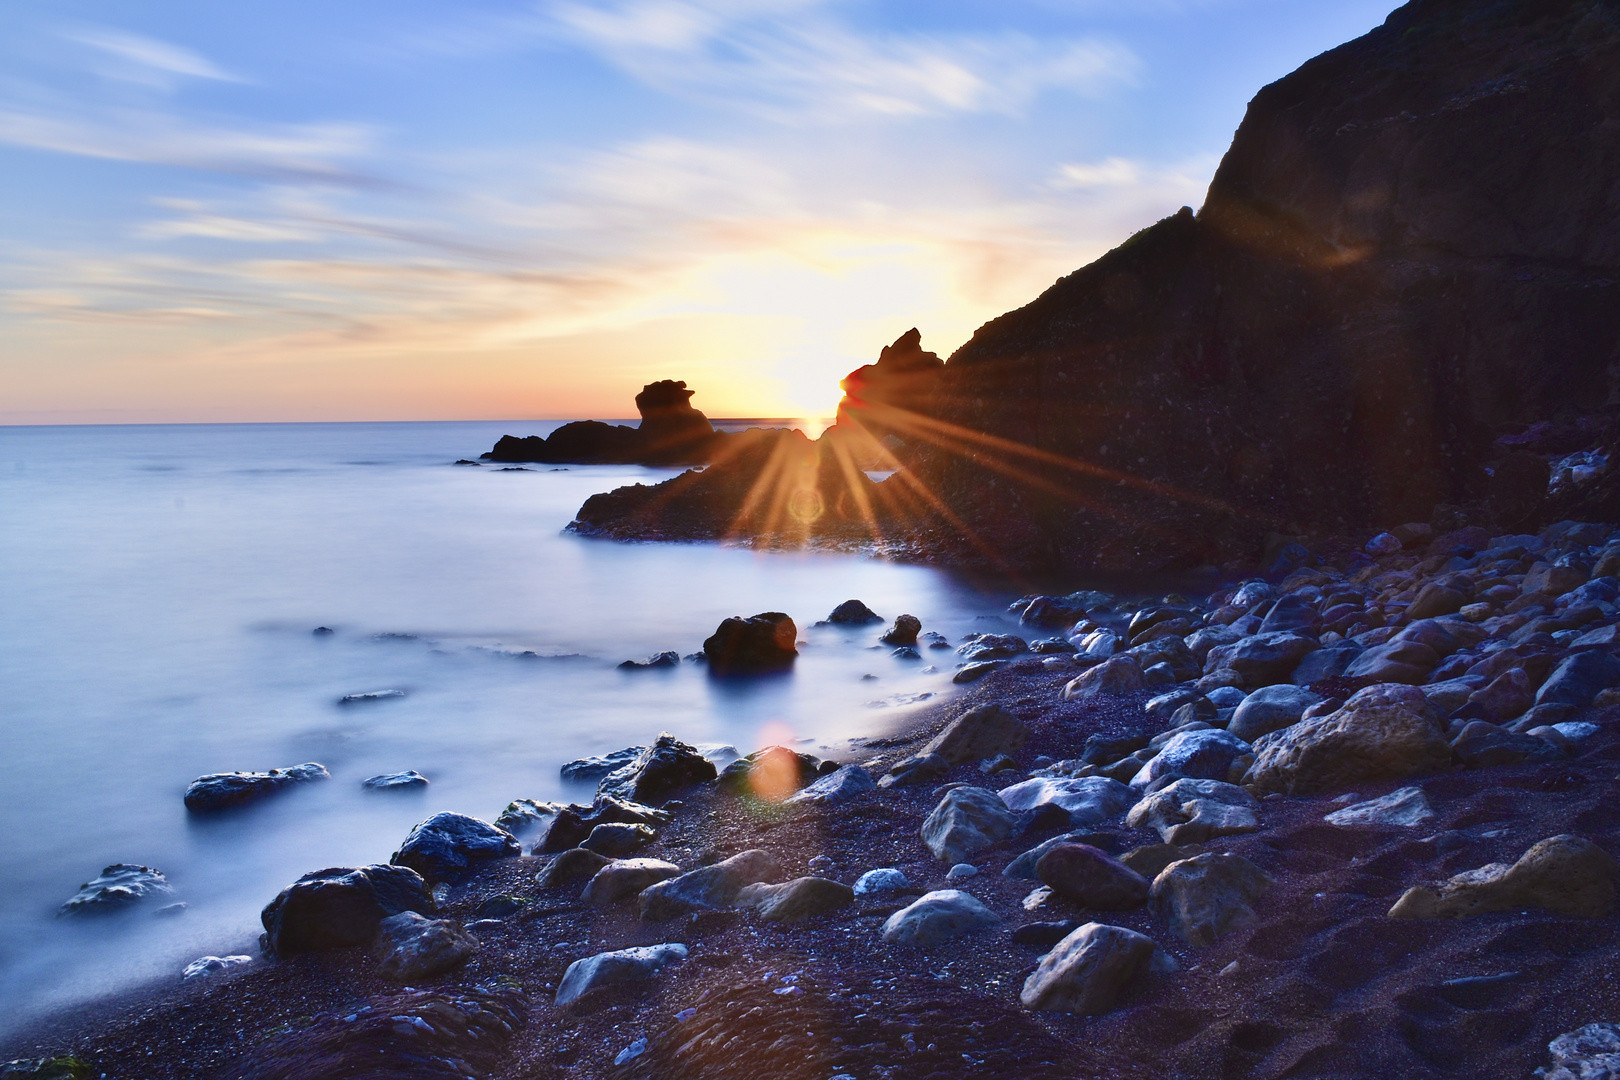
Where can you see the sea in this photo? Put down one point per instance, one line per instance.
(160, 589)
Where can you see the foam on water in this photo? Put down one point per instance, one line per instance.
(158, 591)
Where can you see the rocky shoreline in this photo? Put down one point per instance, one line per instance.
(1250, 835)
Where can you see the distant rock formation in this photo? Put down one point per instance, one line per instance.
(672, 432)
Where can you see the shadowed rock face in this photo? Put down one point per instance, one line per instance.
(672, 432)
(1411, 246)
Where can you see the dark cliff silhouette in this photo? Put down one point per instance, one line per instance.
(672, 432)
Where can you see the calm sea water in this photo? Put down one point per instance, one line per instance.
(158, 588)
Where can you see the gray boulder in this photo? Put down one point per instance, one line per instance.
(1325, 663)
(615, 969)
(1263, 659)
(1405, 807)
(1384, 732)
(979, 733)
(575, 864)
(1089, 970)
(937, 917)
(1092, 878)
(841, 786)
(622, 879)
(795, 901)
(1578, 679)
(1202, 754)
(967, 819)
(339, 907)
(410, 947)
(1208, 896)
(1112, 678)
(1269, 709)
(708, 887)
(1193, 811)
(400, 781)
(589, 770)
(616, 839)
(1089, 800)
(219, 791)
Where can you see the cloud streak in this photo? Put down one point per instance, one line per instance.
(149, 60)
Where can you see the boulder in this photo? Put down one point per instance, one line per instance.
(967, 819)
(708, 887)
(1325, 663)
(1404, 807)
(765, 642)
(1089, 800)
(837, 787)
(1170, 651)
(1204, 754)
(917, 769)
(936, 917)
(1395, 661)
(399, 781)
(984, 647)
(1191, 811)
(1271, 708)
(659, 771)
(575, 864)
(1263, 659)
(1023, 867)
(1587, 1053)
(616, 839)
(1150, 859)
(560, 830)
(445, 846)
(1089, 970)
(1384, 732)
(981, 732)
(611, 809)
(1092, 878)
(339, 907)
(410, 947)
(1436, 599)
(615, 968)
(1551, 579)
(1112, 678)
(1564, 874)
(117, 888)
(797, 900)
(219, 791)
(1208, 896)
(903, 632)
(854, 613)
(621, 879)
(409, 1035)
(589, 770)
(1291, 614)
(1578, 679)
(772, 773)
(1483, 745)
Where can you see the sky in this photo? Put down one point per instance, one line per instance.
(494, 209)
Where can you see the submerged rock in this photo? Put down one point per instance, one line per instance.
(903, 632)
(339, 907)
(117, 888)
(218, 791)
(399, 781)
(761, 643)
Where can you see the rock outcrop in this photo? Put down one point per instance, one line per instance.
(672, 432)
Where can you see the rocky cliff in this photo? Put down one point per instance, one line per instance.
(1412, 247)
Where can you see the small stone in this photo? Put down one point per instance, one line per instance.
(1208, 896)
(617, 839)
(1405, 807)
(1089, 971)
(116, 888)
(937, 917)
(616, 968)
(883, 879)
(410, 947)
(961, 872)
(821, 864)
(212, 965)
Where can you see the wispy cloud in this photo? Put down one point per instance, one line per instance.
(793, 60)
(148, 60)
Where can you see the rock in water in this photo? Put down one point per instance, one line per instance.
(937, 917)
(903, 632)
(765, 642)
(410, 947)
(979, 733)
(117, 888)
(1566, 874)
(591, 769)
(1384, 732)
(795, 901)
(336, 908)
(1092, 878)
(443, 847)
(855, 613)
(1089, 970)
(660, 770)
(615, 968)
(217, 791)
(447, 1033)
(1208, 896)
(1405, 806)
(967, 819)
(399, 781)
(707, 887)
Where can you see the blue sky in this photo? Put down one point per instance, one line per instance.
(412, 210)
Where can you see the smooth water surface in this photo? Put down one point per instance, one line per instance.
(158, 589)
